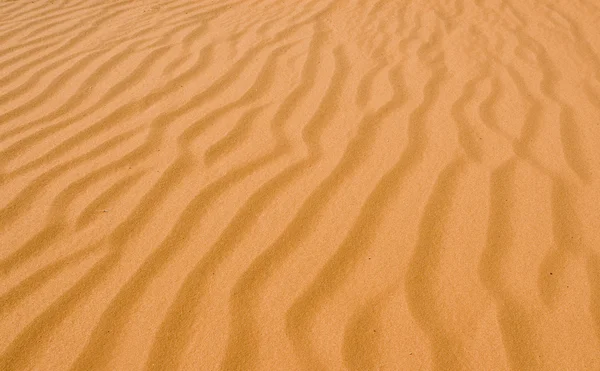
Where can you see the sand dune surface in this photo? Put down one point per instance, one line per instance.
(299, 185)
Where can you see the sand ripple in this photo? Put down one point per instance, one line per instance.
(299, 185)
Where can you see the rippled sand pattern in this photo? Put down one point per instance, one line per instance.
(299, 185)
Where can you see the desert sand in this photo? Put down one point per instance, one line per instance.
(299, 185)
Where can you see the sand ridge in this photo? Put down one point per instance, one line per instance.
(299, 185)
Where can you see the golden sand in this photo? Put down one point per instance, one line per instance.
(300, 185)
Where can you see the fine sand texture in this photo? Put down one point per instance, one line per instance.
(299, 185)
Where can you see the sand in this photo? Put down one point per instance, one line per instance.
(299, 185)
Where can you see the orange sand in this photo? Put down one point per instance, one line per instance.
(299, 185)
